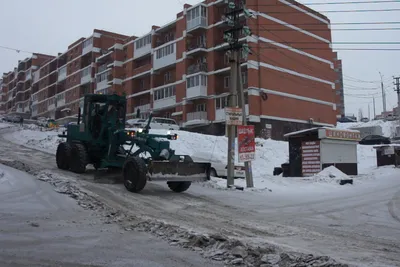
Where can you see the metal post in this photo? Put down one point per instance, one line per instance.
(383, 94)
(373, 99)
(242, 104)
(232, 128)
(397, 90)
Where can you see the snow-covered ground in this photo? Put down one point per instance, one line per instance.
(269, 154)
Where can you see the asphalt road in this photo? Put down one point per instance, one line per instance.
(40, 227)
(357, 225)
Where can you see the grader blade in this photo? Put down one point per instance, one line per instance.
(179, 171)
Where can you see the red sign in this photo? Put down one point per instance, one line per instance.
(342, 134)
(311, 157)
(246, 143)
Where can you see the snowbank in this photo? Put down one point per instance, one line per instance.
(269, 154)
(4, 125)
(6, 183)
(388, 127)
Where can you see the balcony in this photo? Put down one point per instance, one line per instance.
(196, 18)
(28, 75)
(87, 46)
(143, 108)
(62, 74)
(60, 100)
(196, 86)
(164, 56)
(197, 47)
(142, 46)
(197, 68)
(142, 69)
(164, 97)
(86, 75)
(51, 104)
(196, 118)
(220, 113)
(103, 79)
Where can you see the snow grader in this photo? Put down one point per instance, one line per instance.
(100, 138)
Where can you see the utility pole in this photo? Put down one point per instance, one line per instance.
(369, 112)
(373, 101)
(231, 36)
(397, 90)
(383, 93)
(242, 104)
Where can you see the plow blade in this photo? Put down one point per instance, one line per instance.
(178, 171)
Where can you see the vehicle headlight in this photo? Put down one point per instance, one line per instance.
(164, 154)
(168, 132)
(140, 130)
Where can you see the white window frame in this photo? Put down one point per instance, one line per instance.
(201, 107)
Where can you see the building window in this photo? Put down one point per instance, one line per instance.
(196, 81)
(165, 51)
(201, 107)
(227, 81)
(244, 77)
(221, 102)
(143, 41)
(167, 77)
(103, 76)
(141, 84)
(164, 93)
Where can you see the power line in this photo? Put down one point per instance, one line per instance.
(335, 49)
(16, 50)
(335, 11)
(338, 23)
(339, 3)
(343, 29)
(296, 42)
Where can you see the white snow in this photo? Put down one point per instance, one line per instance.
(269, 154)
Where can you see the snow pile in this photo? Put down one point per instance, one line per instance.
(330, 174)
(4, 125)
(388, 127)
(6, 183)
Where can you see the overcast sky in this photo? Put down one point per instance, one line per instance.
(48, 26)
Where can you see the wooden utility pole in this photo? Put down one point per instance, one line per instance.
(231, 36)
(232, 128)
(242, 104)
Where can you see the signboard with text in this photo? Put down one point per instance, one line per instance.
(311, 158)
(246, 143)
(233, 116)
(342, 135)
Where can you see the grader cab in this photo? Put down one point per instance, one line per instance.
(100, 138)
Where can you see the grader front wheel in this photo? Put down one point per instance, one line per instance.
(63, 156)
(135, 174)
(80, 159)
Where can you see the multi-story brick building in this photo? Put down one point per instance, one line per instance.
(339, 87)
(59, 85)
(181, 69)
(16, 86)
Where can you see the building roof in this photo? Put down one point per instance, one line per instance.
(315, 129)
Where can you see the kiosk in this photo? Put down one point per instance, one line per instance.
(312, 150)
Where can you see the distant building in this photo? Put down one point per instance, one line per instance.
(339, 88)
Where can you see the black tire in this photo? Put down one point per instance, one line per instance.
(80, 158)
(63, 155)
(134, 172)
(213, 172)
(179, 187)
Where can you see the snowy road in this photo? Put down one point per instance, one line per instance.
(358, 225)
(39, 227)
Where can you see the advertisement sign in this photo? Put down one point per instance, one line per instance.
(311, 158)
(233, 116)
(246, 143)
(342, 135)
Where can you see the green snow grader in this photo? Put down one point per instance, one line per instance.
(100, 138)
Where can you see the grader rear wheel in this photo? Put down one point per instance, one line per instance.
(135, 174)
(63, 155)
(80, 159)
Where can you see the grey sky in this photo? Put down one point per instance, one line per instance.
(48, 26)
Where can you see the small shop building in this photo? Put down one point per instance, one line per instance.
(312, 150)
